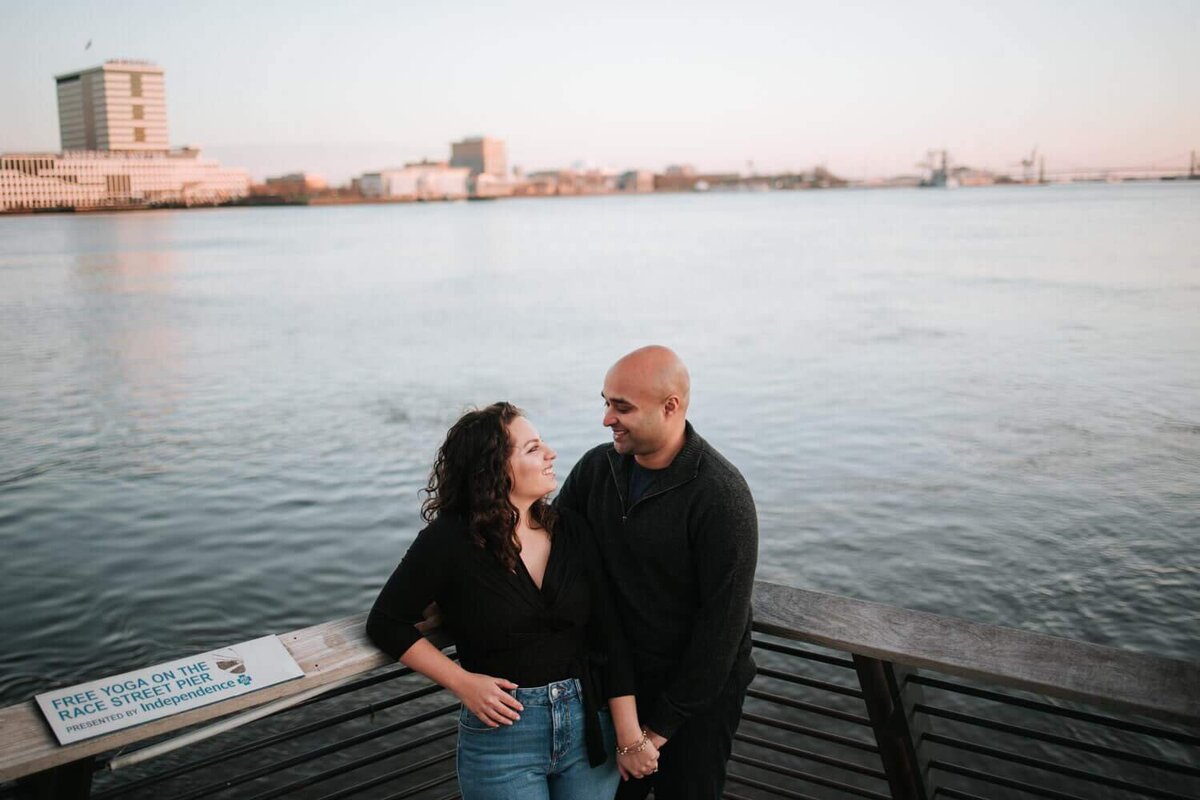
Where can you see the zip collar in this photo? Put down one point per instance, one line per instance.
(684, 467)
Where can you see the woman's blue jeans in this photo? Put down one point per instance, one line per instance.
(541, 756)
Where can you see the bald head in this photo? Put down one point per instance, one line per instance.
(656, 372)
(646, 396)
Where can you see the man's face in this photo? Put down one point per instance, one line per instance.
(634, 415)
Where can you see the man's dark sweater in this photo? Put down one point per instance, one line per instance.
(681, 563)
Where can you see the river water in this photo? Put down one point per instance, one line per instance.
(984, 403)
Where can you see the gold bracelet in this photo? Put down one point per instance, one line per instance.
(634, 748)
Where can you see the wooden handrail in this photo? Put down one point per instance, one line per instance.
(327, 653)
(1110, 677)
(1063, 668)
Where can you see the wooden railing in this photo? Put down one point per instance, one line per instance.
(893, 653)
(1063, 668)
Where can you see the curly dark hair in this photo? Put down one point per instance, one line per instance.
(471, 478)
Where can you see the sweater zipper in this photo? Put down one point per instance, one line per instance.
(626, 512)
(617, 482)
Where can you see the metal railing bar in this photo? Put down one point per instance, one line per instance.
(730, 796)
(362, 683)
(1039, 705)
(416, 766)
(801, 705)
(449, 776)
(1061, 741)
(816, 733)
(766, 787)
(216, 728)
(1061, 769)
(250, 747)
(800, 652)
(800, 775)
(387, 777)
(791, 677)
(317, 752)
(392, 673)
(1011, 783)
(367, 760)
(955, 794)
(798, 752)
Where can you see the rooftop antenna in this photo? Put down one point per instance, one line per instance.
(1027, 164)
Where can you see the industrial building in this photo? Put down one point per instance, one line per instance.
(481, 155)
(425, 180)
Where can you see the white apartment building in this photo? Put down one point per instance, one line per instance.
(423, 181)
(105, 179)
(119, 105)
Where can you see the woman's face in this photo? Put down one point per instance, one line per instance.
(531, 463)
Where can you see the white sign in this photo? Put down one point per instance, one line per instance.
(122, 701)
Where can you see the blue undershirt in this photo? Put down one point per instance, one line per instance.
(640, 479)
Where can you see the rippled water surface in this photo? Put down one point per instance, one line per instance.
(213, 424)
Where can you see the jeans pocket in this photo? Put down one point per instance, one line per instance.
(472, 724)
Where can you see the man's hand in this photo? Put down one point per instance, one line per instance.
(433, 619)
(655, 739)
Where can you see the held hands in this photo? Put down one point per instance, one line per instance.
(638, 759)
(486, 698)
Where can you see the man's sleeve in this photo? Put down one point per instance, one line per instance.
(604, 629)
(725, 552)
(571, 496)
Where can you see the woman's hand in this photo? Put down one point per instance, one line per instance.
(486, 698)
(640, 764)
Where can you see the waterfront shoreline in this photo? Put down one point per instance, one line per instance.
(278, 202)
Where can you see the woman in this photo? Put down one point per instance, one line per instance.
(539, 646)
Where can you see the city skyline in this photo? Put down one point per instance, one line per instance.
(866, 90)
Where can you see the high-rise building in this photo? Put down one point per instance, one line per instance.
(119, 105)
(113, 120)
(481, 155)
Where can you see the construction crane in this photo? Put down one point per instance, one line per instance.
(939, 170)
(1027, 165)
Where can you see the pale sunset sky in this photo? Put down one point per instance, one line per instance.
(865, 88)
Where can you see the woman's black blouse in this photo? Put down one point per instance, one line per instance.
(502, 624)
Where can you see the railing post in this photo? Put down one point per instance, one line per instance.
(71, 781)
(893, 735)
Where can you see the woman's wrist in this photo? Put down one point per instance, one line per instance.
(455, 681)
(625, 719)
(629, 736)
(633, 746)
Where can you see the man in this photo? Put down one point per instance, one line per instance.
(679, 538)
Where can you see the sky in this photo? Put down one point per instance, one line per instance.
(863, 88)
